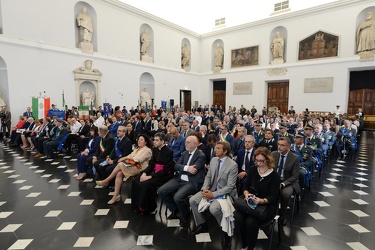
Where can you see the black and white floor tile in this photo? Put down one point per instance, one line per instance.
(42, 206)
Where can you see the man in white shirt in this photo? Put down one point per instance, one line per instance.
(337, 111)
(74, 126)
(100, 120)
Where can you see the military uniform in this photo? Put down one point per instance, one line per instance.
(306, 163)
(328, 140)
(270, 144)
(346, 140)
(291, 137)
(258, 137)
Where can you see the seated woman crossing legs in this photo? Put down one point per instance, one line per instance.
(129, 166)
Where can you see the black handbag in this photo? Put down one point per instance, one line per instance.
(258, 212)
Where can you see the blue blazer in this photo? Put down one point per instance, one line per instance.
(178, 146)
(113, 129)
(94, 145)
(240, 158)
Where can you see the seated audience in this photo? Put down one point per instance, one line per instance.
(129, 166)
(262, 187)
(216, 192)
(176, 144)
(158, 172)
(82, 158)
(187, 181)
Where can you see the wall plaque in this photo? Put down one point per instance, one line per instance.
(242, 88)
(319, 85)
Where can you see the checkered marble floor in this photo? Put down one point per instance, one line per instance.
(42, 206)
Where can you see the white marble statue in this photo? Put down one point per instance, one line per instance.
(219, 56)
(145, 40)
(185, 56)
(84, 23)
(2, 101)
(86, 99)
(145, 97)
(366, 34)
(277, 46)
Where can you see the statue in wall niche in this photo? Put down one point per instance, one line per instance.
(145, 40)
(185, 56)
(85, 26)
(145, 97)
(2, 101)
(277, 48)
(219, 56)
(366, 34)
(88, 98)
(86, 29)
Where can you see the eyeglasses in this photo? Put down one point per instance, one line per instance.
(120, 130)
(261, 161)
(282, 145)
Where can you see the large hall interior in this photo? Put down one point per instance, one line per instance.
(317, 57)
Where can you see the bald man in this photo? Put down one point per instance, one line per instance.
(187, 181)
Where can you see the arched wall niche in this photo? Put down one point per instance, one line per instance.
(215, 44)
(4, 86)
(146, 89)
(284, 34)
(92, 13)
(146, 51)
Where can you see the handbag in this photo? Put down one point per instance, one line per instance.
(134, 163)
(258, 212)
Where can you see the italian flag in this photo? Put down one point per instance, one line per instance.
(40, 107)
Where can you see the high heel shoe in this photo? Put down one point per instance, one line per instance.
(100, 183)
(113, 200)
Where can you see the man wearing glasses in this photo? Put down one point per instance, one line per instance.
(288, 170)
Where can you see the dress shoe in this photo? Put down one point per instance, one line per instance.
(173, 216)
(185, 223)
(283, 221)
(226, 241)
(81, 176)
(100, 183)
(114, 200)
(202, 228)
(39, 155)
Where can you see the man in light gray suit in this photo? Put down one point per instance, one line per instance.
(186, 130)
(288, 170)
(220, 180)
(187, 181)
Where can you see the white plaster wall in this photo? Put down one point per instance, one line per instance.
(340, 21)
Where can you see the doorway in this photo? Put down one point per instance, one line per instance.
(185, 99)
(219, 93)
(278, 96)
(362, 92)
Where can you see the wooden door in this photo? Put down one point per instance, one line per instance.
(185, 99)
(219, 93)
(219, 98)
(278, 96)
(361, 98)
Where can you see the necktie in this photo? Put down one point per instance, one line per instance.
(214, 181)
(212, 153)
(281, 165)
(173, 140)
(247, 161)
(188, 160)
(185, 133)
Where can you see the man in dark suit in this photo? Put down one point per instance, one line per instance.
(82, 132)
(122, 147)
(187, 181)
(137, 125)
(219, 182)
(147, 124)
(239, 143)
(28, 112)
(210, 148)
(245, 160)
(6, 118)
(57, 139)
(226, 136)
(106, 145)
(288, 170)
(176, 143)
(195, 126)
